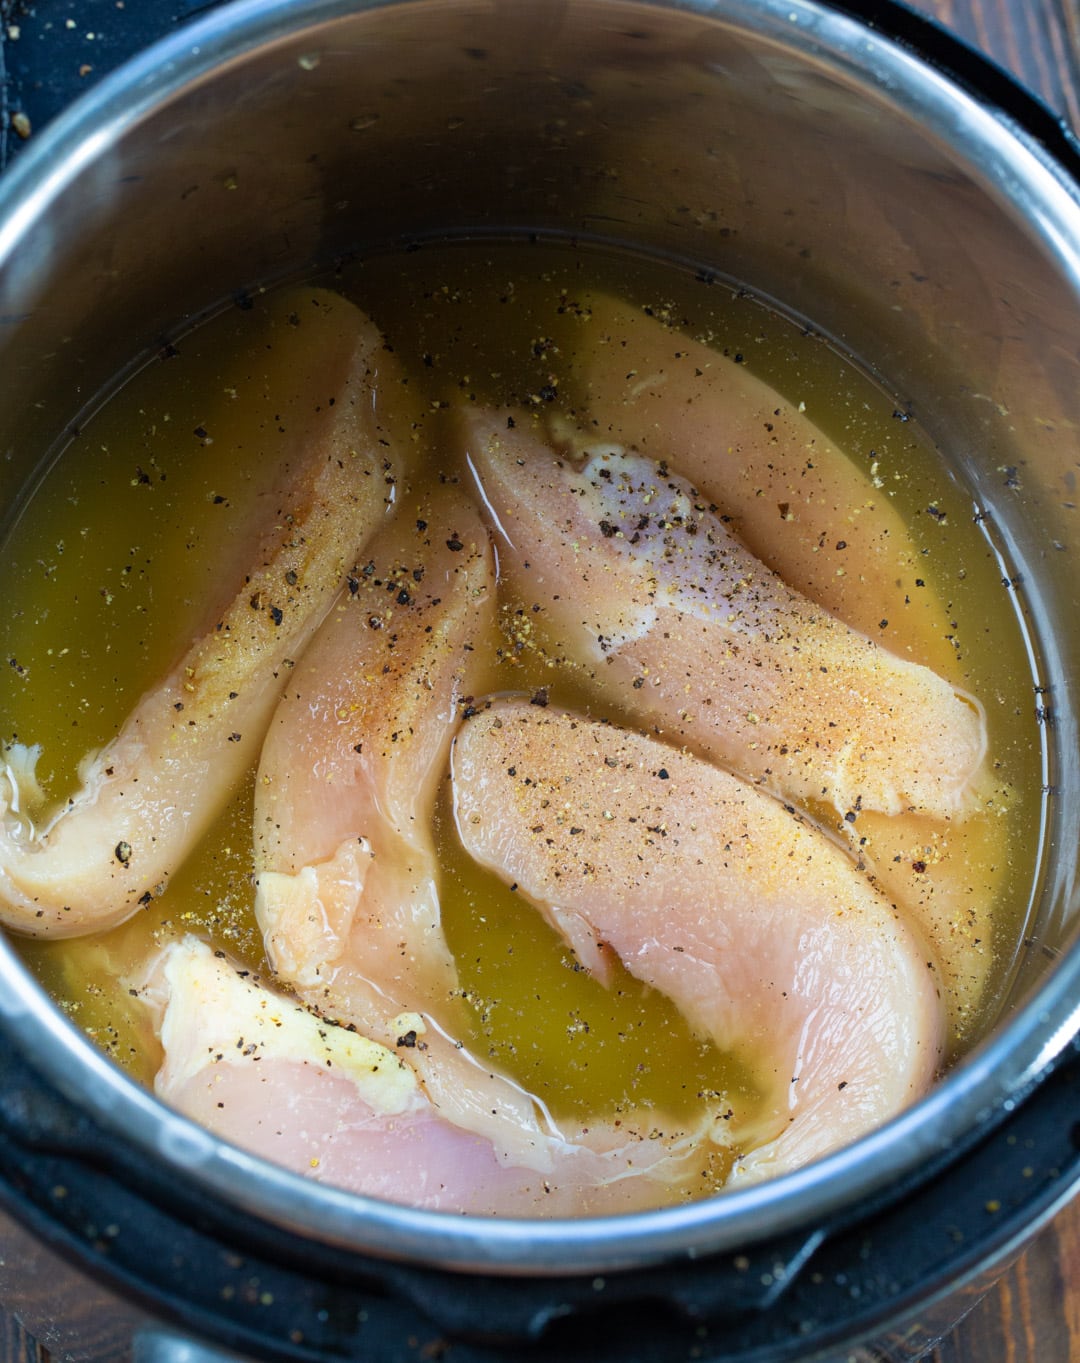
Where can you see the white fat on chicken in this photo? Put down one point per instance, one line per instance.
(263, 1072)
(758, 927)
(149, 794)
(638, 577)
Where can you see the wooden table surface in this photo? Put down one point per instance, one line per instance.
(1032, 1315)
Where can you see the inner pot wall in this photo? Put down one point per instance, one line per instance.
(781, 146)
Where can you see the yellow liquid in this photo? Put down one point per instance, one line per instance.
(108, 565)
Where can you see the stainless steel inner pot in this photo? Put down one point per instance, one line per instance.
(782, 144)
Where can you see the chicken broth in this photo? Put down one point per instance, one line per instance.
(112, 562)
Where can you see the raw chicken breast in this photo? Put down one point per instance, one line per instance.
(638, 577)
(346, 888)
(263, 1072)
(150, 793)
(345, 791)
(791, 496)
(760, 929)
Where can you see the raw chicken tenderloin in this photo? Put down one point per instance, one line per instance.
(748, 918)
(345, 791)
(820, 522)
(149, 794)
(263, 1072)
(346, 892)
(638, 577)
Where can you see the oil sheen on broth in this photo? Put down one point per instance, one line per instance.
(110, 561)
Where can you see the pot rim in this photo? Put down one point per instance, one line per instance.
(1042, 190)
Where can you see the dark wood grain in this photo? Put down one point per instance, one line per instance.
(16, 1346)
(1032, 1314)
(1032, 39)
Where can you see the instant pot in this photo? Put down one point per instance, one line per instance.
(846, 159)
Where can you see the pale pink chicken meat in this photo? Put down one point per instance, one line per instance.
(638, 578)
(261, 1071)
(149, 794)
(759, 928)
(345, 791)
(346, 872)
(824, 524)
(348, 774)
